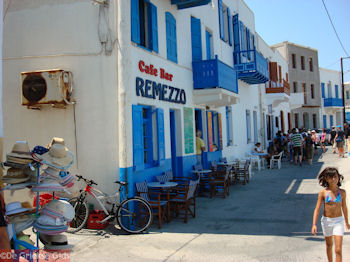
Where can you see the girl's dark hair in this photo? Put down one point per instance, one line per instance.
(329, 172)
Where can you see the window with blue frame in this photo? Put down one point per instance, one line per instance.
(144, 24)
(209, 43)
(196, 37)
(323, 91)
(225, 22)
(336, 87)
(248, 126)
(325, 121)
(229, 133)
(148, 136)
(255, 123)
(171, 37)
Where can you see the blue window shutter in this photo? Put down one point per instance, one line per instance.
(207, 39)
(336, 91)
(153, 27)
(236, 38)
(324, 121)
(135, 21)
(229, 26)
(241, 34)
(323, 91)
(221, 20)
(253, 40)
(161, 141)
(196, 39)
(137, 125)
(171, 37)
(248, 43)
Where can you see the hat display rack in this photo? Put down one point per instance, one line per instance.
(24, 172)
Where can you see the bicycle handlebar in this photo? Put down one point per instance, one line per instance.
(91, 182)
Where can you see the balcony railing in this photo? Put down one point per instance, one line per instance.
(214, 74)
(332, 102)
(251, 66)
(277, 87)
(182, 4)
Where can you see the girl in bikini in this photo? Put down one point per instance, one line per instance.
(332, 221)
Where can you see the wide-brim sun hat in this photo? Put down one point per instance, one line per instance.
(22, 222)
(15, 208)
(15, 176)
(20, 150)
(55, 242)
(61, 207)
(57, 156)
(48, 185)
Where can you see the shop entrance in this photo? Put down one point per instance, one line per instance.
(173, 142)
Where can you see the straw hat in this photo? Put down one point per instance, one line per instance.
(15, 208)
(20, 150)
(57, 140)
(22, 222)
(58, 155)
(15, 176)
(55, 242)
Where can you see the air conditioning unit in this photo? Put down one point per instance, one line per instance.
(47, 87)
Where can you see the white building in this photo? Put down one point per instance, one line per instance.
(146, 75)
(332, 98)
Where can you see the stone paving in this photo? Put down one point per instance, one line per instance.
(268, 219)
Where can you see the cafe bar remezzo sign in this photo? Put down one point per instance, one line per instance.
(151, 89)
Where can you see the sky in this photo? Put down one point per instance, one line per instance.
(305, 22)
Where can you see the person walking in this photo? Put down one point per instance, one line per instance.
(347, 135)
(339, 139)
(200, 147)
(332, 135)
(297, 141)
(323, 140)
(334, 202)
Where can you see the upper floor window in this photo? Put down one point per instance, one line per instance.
(347, 95)
(302, 61)
(209, 43)
(144, 24)
(311, 65)
(225, 22)
(323, 91)
(295, 87)
(171, 37)
(294, 61)
(312, 91)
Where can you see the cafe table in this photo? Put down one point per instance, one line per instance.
(166, 186)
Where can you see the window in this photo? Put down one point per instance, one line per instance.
(225, 22)
(302, 61)
(196, 37)
(336, 87)
(296, 120)
(314, 121)
(295, 87)
(268, 127)
(277, 122)
(144, 25)
(279, 74)
(229, 134)
(329, 89)
(330, 120)
(325, 121)
(304, 91)
(255, 126)
(312, 91)
(323, 91)
(214, 131)
(347, 95)
(311, 65)
(171, 37)
(294, 62)
(148, 136)
(248, 126)
(209, 42)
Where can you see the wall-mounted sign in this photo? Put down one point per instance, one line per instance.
(188, 125)
(151, 70)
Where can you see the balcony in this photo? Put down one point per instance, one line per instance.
(277, 87)
(333, 102)
(214, 83)
(251, 66)
(182, 4)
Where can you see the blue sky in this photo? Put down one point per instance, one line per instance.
(305, 22)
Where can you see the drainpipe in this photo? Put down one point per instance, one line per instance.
(123, 65)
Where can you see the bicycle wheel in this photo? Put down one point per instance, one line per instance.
(134, 215)
(81, 215)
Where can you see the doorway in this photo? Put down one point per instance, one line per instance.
(173, 142)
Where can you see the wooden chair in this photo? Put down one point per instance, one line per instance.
(242, 172)
(160, 207)
(185, 199)
(276, 158)
(219, 181)
(166, 177)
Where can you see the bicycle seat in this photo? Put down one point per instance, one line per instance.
(121, 183)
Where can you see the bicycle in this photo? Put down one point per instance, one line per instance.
(134, 215)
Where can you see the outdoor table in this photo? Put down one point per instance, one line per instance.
(164, 186)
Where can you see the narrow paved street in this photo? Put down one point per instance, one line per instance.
(268, 219)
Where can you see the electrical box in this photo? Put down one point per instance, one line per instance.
(50, 87)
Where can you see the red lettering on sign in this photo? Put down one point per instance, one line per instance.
(151, 70)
